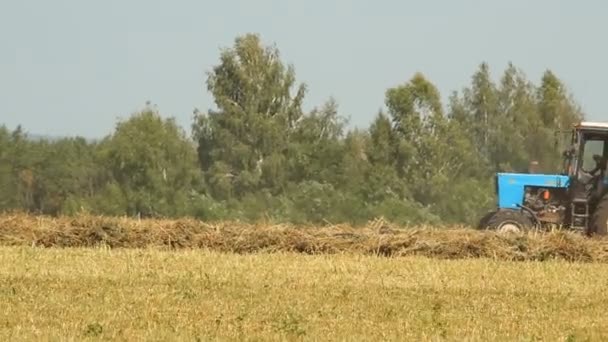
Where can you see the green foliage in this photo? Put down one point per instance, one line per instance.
(259, 155)
(8, 181)
(242, 144)
(153, 163)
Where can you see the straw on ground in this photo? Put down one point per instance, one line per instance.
(377, 238)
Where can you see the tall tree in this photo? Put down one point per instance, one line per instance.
(256, 113)
(432, 151)
(557, 108)
(482, 101)
(512, 141)
(557, 112)
(411, 105)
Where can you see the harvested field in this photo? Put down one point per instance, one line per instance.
(125, 279)
(195, 295)
(377, 238)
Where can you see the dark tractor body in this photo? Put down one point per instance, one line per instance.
(574, 199)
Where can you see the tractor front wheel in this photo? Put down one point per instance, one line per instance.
(509, 221)
(599, 219)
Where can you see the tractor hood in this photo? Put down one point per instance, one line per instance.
(510, 187)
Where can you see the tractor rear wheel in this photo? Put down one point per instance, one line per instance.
(509, 221)
(599, 219)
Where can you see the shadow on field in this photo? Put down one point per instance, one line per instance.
(377, 238)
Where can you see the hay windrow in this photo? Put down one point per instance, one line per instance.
(376, 238)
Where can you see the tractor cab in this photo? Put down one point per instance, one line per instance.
(586, 167)
(574, 198)
(586, 159)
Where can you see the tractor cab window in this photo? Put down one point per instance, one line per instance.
(592, 148)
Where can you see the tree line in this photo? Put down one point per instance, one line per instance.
(259, 155)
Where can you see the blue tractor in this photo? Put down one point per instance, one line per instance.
(575, 199)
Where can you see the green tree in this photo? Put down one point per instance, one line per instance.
(481, 101)
(558, 112)
(316, 147)
(66, 175)
(25, 156)
(8, 181)
(432, 151)
(512, 140)
(153, 163)
(243, 144)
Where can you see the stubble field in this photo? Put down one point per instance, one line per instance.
(194, 281)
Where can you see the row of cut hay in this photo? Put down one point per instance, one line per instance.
(376, 238)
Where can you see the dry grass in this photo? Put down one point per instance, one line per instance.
(188, 280)
(190, 295)
(377, 238)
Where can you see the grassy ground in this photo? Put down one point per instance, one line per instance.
(130, 294)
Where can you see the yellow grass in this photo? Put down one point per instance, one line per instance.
(122, 279)
(147, 294)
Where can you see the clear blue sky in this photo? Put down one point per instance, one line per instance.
(70, 67)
